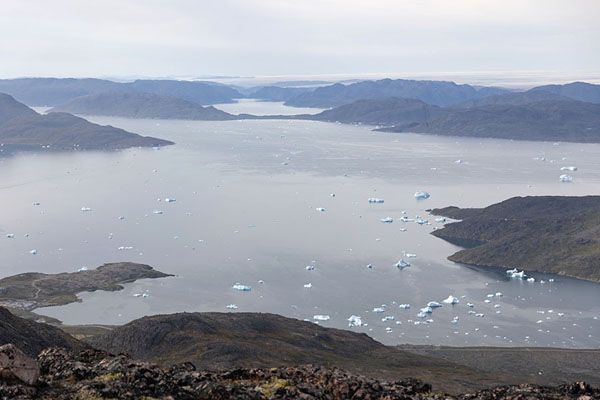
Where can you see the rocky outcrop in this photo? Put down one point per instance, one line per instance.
(95, 374)
(16, 366)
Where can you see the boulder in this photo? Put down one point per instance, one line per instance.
(15, 364)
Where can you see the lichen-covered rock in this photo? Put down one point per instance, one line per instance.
(15, 364)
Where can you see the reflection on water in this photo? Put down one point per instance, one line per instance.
(247, 194)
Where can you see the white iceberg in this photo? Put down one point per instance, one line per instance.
(10, 236)
(565, 178)
(355, 320)
(158, 212)
(34, 252)
(310, 267)
(308, 285)
(321, 317)
(572, 169)
(420, 194)
(433, 304)
(86, 209)
(168, 200)
(378, 310)
(231, 307)
(402, 264)
(427, 310)
(388, 318)
(404, 306)
(242, 288)
(320, 209)
(451, 300)
(387, 220)
(370, 266)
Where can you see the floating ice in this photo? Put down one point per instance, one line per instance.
(442, 219)
(321, 317)
(388, 318)
(82, 269)
(421, 315)
(480, 315)
(427, 310)
(573, 169)
(471, 305)
(309, 267)
(420, 194)
(451, 300)
(34, 252)
(355, 320)
(402, 264)
(261, 281)
(168, 200)
(121, 217)
(409, 255)
(530, 279)
(378, 310)
(370, 266)
(565, 178)
(433, 304)
(387, 220)
(404, 306)
(242, 288)
(231, 307)
(137, 295)
(157, 212)
(10, 236)
(36, 203)
(375, 200)
(308, 285)
(86, 209)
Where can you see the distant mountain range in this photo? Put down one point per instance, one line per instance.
(22, 127)
(140, 105)
(569, 121)
(438, 93)
(54, 91)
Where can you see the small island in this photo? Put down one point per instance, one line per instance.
(32, 290)
(550, 234)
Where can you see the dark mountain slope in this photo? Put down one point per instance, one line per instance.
(33, 337)
(438, 93)
(569, 121)
(581, 91)
(552, 234)
(10, 108)
(140, 105)
(516, 99)
(381, 112)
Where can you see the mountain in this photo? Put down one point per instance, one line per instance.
(33, 337)
(516, 99)
(388, 111)
(54, 91)
(218, 341)
(581, 91)
(438, 93)
(140, 105)
(25, 129)
(553, 234)
(568, 121)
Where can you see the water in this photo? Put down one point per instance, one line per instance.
(246, 198)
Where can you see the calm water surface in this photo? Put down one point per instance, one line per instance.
(247, 194)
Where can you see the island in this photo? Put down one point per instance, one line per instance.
(32, 290)
(22, 128)
(141, 105)
(550, 234)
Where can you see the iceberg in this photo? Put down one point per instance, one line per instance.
(451, 300)
(309, 267)
(321, 317)
(433, 304)
(242, 288)
(375, 200)
(370, 266)
(442, 219)
(387, 220)
(320, 209)
(572, 169)
(421, 315)
(378, 310)
(231, 307)
(86, 209)
(355, 320)
(565, 178)
(404, 306)
(402, 264)
(158, 212)
(427, 310)
(308, 285)
(10, 235)
(530, 279)
(168, 200)
(388, 318)
(34, 252)
(420, 194)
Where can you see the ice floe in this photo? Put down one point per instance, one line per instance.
(420, 194)
(242, 288)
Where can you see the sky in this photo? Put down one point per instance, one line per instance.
(202, 38)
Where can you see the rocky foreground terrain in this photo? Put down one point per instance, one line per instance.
(93, 374)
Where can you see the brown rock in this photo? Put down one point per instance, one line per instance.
(14, 362)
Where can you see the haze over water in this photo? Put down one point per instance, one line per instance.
(247, 194)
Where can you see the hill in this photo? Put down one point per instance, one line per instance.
(516, 99)
(438, 93)
(54, 91)
(276, 93)
(33, 337)
(140, 105)
(569, 121)
(581, 91)
(381, 112)
(24, 129)
(551, 234)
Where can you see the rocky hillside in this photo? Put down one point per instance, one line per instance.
(568, 121)
(581, 91)
(33, 337)
(551, 234)
(94, 374)
(141, 105)
(22, 127)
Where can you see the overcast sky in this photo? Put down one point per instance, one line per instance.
(285, 37)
